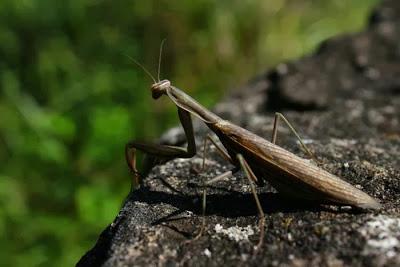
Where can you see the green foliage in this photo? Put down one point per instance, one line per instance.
(70, 98)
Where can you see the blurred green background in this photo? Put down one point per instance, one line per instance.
(70, 98)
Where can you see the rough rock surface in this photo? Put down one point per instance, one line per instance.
(345, 102)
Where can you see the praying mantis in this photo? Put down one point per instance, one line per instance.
(259, 158)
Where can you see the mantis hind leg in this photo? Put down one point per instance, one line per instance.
(162, 151)
(275, 132)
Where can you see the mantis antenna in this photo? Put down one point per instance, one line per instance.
(159, 58)
(143, 68)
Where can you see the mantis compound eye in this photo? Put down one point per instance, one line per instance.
(158, 89)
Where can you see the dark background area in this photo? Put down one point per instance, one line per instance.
(70, 98)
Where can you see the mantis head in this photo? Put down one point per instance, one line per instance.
(160, 88)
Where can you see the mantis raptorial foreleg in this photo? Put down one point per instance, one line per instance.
(275, 132)
(162, 151)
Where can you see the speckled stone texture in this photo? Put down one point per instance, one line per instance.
(345, 102)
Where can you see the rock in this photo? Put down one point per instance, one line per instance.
(345, 102)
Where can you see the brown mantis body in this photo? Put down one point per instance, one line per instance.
(286, 172)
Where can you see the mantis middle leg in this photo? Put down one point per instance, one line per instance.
(252, 178)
